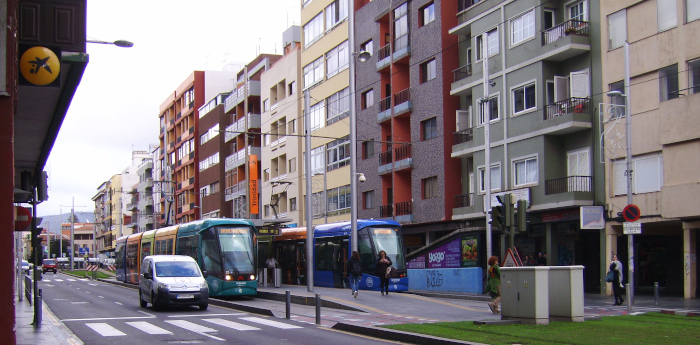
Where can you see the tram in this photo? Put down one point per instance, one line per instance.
(225, 248)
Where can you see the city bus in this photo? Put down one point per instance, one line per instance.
(225, 248)
(332, 250)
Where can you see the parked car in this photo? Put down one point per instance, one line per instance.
(25, 266)
(172, 280)
(49, 265)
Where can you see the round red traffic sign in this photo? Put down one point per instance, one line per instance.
(631, 213)
(23, 219)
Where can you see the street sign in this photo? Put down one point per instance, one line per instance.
(23, 219)
(631, 213)
(632, 228)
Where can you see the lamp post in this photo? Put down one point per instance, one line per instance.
(118, 43)
(628, 169)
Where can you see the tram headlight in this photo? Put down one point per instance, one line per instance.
(252, 277)
(228, 277)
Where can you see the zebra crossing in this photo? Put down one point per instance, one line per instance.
(67, 279)
(205, 326)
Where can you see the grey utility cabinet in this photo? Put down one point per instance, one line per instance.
(525, 294)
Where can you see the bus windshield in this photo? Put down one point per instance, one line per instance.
(237, 249)
(388, 240)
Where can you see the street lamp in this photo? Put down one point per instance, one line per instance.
(118, 43)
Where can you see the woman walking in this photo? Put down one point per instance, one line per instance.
(383, 262)
(616, 268)
(494, 284)
(354, 270)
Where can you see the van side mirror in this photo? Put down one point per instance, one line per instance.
(147, 275)
(204, 274)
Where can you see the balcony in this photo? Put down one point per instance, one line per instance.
(253, 89)
(462, 72)
(400, 211)
(235, 190)
(239, 158)
(568, 116)
(402, 52)
(566, 40)
(569, 191)
(385, 162)
(384, 110)
(403, 158)
(464, 200)
(231, 101)
(384, 57)
(464, 136)
(402, 102)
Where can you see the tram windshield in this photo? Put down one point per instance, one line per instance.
(389, 240)
(231, 254)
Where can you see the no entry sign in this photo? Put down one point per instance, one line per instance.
(631, 213)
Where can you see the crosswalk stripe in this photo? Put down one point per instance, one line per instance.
(46, 280)
(190, 326)
(269, 322)
(70, 280)
(105, 329)
(231, 324)
(58, 280)
(148, 328)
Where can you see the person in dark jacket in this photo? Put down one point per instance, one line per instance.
(354, 272)
(383, 262)
(616, 268)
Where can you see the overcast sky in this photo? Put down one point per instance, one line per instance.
(115, 109)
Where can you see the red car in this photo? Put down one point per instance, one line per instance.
(49, 265)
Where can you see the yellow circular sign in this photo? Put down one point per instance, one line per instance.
(40, 66)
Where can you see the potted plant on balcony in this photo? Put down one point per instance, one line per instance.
(570, 30)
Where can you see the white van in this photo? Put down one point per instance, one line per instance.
(172, 280)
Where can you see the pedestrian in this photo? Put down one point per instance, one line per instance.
(542, 260)
(532, 261)
(526, 262)
(354, 271)
(616, 268)
(271, 264)
(383, 262)
(494, 284)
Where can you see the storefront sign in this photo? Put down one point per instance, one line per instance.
(592, 217)
(558, 216)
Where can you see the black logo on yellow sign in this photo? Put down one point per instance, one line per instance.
(40, 66)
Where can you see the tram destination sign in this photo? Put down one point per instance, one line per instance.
(268, 231)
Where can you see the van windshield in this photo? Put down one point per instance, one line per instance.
(177, 269)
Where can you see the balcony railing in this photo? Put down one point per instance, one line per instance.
(404, 208)
(568, 106)
(570, 27)
(386, 211)
(385, 157)
(402, 96)
(384, 52)
(403, 152)
(385, 104)
(463, 200)
(462, 72)
(568, 185)
(464, 136)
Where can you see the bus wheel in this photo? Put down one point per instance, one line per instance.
(141, 301)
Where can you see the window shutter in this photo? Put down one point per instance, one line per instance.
(579, 84)
(561, 88)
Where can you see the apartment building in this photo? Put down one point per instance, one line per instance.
(141, 203)
(242, 165)
(538, 98)
(177, 181)
(102, 220)
(212, 125)
(406, 116)
(325, 76)
(282, 128)
(663, 96)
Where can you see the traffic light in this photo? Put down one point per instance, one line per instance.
(497, 217)
(522, 215)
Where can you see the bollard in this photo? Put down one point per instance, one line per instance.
(289, 304)
(629, 300)
(656, 293)
(318, 309)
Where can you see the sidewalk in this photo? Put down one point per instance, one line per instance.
(52, 331)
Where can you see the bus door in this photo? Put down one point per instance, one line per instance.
(341, 261)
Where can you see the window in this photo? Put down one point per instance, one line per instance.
(524, 98)
(367, 149)
(617, 29)
(577, 11)
(313, 72)
(337, 59)
(666, 11)
(292, 165)
(647, 174)
(317, 162)
(430, 187)
(694, 76)
(427, 14)
(338, 201)
(210, 134)
(522, 27)
(495, 178)
(401, 27)
(266, 104)
(668, 82)
(336, 12)
(338, 153)
(367, 99)
(428, 71)
(692, 10)
(368, 199)
(292, 204)
(338, 106)
(492, 44)
(291, 126)
(493, 110)
(428, 129)
(368, 47)
(525, 171)
(316, 112)
(313, 30)
(292, 88)
(618, 100)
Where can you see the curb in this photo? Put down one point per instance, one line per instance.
(680, 313)
(394, 335)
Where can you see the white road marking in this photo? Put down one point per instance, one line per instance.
(79, 302)
(111, 318)
(269, 322)
(105, 330)
(49, 285)
(231, 324)
(58, 280)
(193, 327)
(200, 315)
(148, 328)
(70, 280)
(119, 303)
(100, 296)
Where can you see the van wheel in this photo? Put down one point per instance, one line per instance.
(204, 306)
(153, 302)
(141, 301)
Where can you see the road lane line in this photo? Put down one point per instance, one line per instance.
(105, 330)
(231, 324)
(270, 322)
(148, 327)
(119, 303)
